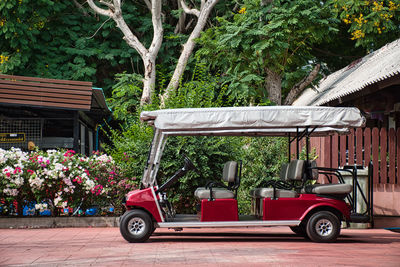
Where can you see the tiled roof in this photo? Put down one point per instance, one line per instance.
(373, 68)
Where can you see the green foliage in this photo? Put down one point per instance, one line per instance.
(130, 145)
(56, 39)
(262, 161)
(125, 96)
(129, 148)
(371, 23)
(276, 37)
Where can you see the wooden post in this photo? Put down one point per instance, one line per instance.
(398, 156)
(76, 131)
(375, 154)
(392, 156)
(351, 147)
(343, 139)
(359, 147)
(384, 176)
(367, 146)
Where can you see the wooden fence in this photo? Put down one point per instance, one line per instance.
(381, 146)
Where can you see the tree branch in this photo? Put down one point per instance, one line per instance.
(108, 4)
(98, 10)
(148, 4)
(81, 8)
(189, 11)
(299, 87)
(157, 27)
(188, 49)
(180, 26)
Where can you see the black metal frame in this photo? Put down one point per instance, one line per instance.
(367, 216)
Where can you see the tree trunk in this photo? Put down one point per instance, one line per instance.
(300, 86)
(273, 85)
(148, 56)
(149, 80)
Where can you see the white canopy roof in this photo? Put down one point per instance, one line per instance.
(266, 120)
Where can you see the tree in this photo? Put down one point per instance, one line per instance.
(266, 49)
(371, 23)
(149, 55)
(62, 40)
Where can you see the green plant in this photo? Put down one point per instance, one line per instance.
(262, 161)
(131, 143)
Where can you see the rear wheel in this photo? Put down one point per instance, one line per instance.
(136, 226)
(323, 227)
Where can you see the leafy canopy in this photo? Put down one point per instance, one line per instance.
(277, 37)
(371, 23)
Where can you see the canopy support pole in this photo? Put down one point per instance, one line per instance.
(289, 150)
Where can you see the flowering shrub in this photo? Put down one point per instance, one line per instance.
(60, 179)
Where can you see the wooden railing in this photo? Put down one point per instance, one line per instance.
(381, 146)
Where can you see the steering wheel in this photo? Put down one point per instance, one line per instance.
(189, 164)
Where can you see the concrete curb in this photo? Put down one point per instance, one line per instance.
(57, 222)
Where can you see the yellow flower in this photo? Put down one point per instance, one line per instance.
(357, 34)
(242, 10)
(3, 59)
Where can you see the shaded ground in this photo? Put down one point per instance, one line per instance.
(196, 247)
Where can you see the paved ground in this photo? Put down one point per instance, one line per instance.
(195, 247)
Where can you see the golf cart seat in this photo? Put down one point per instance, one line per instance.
(327, 189)
(294, 171)
(324, 189)
(217, 190)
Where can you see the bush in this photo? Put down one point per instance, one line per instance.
(131, 144)
(57, 179)
(262, 160)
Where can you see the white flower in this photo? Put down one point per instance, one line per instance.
(36, 183)
(41, 207)
(10, 192)
(57, 200)
(58, 167)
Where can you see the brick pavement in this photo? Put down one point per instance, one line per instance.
(195, 247)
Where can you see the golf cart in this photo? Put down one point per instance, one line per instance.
(311, 210)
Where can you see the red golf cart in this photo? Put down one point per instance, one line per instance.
(309, 209)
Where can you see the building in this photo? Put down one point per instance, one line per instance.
(50, 113)
(371, 84)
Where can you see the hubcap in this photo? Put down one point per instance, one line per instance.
(324, 227)
(136, 226)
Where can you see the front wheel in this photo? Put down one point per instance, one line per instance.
(323, 227)
(136, 226)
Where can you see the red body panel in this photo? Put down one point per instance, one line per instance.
(219, 210)
(145, 199)
(297, 208)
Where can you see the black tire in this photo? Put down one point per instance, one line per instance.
(323, 227)
(136, 226)
(299, 230)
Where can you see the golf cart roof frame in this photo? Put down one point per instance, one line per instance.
(294, 122)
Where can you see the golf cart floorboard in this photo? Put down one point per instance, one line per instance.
(189, 220)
